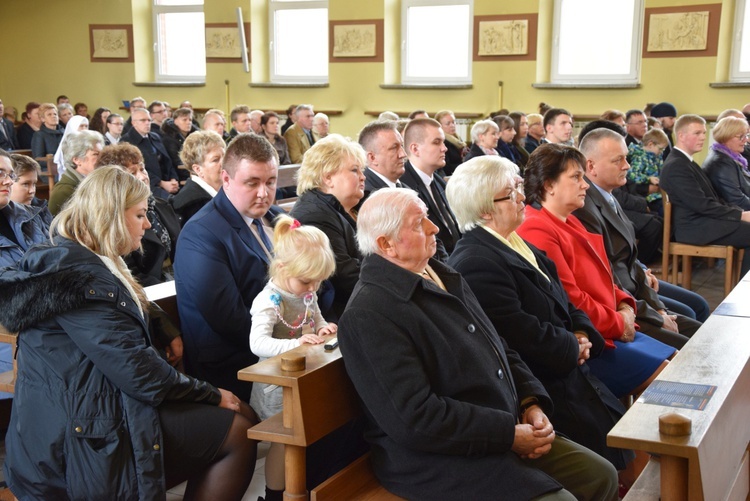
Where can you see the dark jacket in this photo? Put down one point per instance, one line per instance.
(727, 179)
(155, 156)
(440, 389)
(28, 227)
(8, 141)
(453, 158)
(63, 190)
(173, 140)
(189, 200)
(147, 266)
(219, 269)
(24, 135)
(84, 422)
(326, 213)
(531, 144)
(46, 141)
(474, 151)
(699, 216)
(536, 319)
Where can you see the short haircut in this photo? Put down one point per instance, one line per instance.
(65, 106)
(182, 112)
(387, 115)
(319, 116)
(31, 106)
(267, 116)
(551, 115)
(504, 122)
(613, 115)
(326, 157)
(23, 164)
(369, 133)
(547, 163)
(122, 154)
(534, 118)
(300, 251)
(212, 113)
(45, 107)
(250, 147)
(237, 111)
(656, 136)
(94, 216)
(631, 113)
(414, 114)
(416, 130)
(685, 121)
(601, 124)
(76, 144)
(80, 106)
(382, 215)
(729, 127)
(481, 127)
(591, 141)
(197, 145)
(155, 104)
(61, 96)
(138, 99)
(443, 113)
(730, 113)
(473, 185)
(301, 107)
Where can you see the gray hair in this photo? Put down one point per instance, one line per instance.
(481, 127)
(65, 106)
(76, 144)
(382, 216)
(388, 115)
(591, 140)
(473, 186)
(301, 107)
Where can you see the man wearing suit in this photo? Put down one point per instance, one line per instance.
(8, 139)
(299, 136)
(606, 170)
(424, 140)
(699, 216)
(384, 148)
(161, 172)
(222, 264)
(241, 121)
(636, 125)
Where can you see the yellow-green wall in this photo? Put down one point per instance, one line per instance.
(46, 53)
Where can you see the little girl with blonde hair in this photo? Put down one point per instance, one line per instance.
(286, 315)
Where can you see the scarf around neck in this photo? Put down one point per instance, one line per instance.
(733, 155)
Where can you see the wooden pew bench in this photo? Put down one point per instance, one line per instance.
(711, 462)
(316, 401)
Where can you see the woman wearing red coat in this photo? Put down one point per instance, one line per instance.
(555, 187)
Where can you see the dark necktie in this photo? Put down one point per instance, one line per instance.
(262, 234)
(399, 185)
(310, 138)
(445, 213)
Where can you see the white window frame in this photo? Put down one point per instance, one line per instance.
(633, 75)
(413, 80)
(735, 75)
(156, 10)
(278, 5)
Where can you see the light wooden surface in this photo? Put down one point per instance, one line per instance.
(286, 177)
(717, 355)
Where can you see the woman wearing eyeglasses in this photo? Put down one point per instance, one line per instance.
(725, 166)
(520, 291)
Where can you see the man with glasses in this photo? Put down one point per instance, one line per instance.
(636, 125)
(161, 171)
(158, 111)
(21, 226)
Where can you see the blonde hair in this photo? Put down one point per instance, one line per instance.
(45, 107)
(95, 217)
(300, 251)
(656, 136)
(325, 158)
(198, 145)
(728, 127)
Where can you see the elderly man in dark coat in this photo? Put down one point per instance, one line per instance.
(452, 412)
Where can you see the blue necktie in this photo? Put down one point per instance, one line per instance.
(262, 234)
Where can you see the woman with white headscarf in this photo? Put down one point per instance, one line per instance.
(76, 123)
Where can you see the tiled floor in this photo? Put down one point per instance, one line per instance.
(708, 282)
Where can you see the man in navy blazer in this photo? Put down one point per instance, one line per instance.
(8, 139)
(161, 172)
(222, 263)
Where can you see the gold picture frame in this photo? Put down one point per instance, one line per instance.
(111, 43)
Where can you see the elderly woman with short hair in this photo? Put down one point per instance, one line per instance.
(521, 293)
(47, 139)
(484, 135)
(330, 183)
(202, 154)
(80, 150)
(725, 164)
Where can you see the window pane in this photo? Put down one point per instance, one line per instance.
(428, 52)
(312, 60)
(178, 2)
(591, 42)
(744, 48)
(182, 44)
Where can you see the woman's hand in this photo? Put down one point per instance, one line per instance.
(229, 400)
(311, 339)
(628, 316)
(328, 329)
(584, 347)
(174, 351)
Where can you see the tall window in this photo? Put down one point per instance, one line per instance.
(597, 41)
(436, 41)
(179, 41)
(740, 70)
(299, 41)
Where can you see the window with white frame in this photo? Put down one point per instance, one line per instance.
(436, 38)
(179, 41)
(597, 41)
(298, 41)
(740, 69)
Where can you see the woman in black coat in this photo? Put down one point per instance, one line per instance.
(174, 132)
(521, 293)
(725, 165)
(485, 135)
(331, 183)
